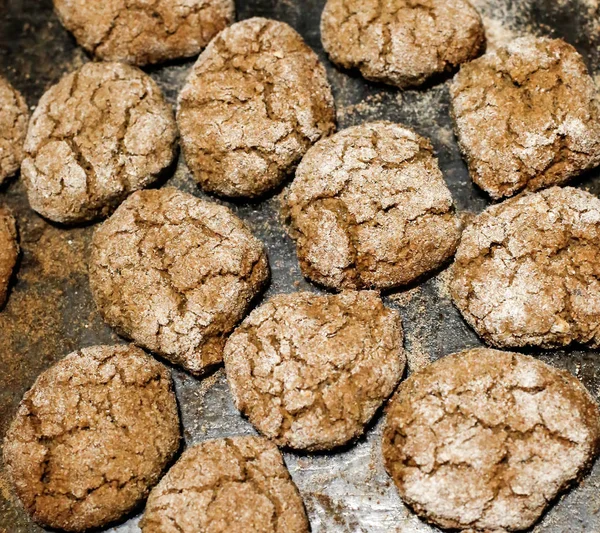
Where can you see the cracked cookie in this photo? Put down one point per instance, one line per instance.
(369, 208)
(9, 251)
(14, 116)
(92, 436)
(257, 98)
(142, 32)
(232, 485)
(175, 274)
(527, 116)
(401, 42)
(483, 440)
(310, 371)
(527, 271)
(101, 133)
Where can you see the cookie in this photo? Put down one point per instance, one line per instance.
(401, 42)
(233, 485)
(9, 251)
(483, 440)
(527, 271)
(144, 32)
(369, 208)
(92, 436)
(101, 133)
(14, 116)
(526, 116)
(310, 371)
(255, 101)
(175, 274)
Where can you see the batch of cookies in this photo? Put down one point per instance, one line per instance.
(482, 440)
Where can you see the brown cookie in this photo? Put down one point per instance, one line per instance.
(401, 42)
(9, 251)
(101, 133)
(527, 271)
(310, 371)
(233, 485)
(142, 32)
(257, 98)
(14, 116)
(369, 208)
(92, 436)
(483, 440)
(526, 116)
(175, 274)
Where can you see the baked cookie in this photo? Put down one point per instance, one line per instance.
(401, 42)
(92, 436)
(175, 274)
(482, 440)
(101, 133)
(234, 485)
(14, 116)
(526, 116)
(527, 271)
(9, 251)
(257, 98)
(142, 32)
(369, 208)
(310, 371)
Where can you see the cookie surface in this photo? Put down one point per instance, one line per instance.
(483, 440)
(527, 270)
(175, 274)
(101, 133)
(369, 208)
(401, 42)
(9, 251)
(310, 371)
(14, 116)
(92, 436)
(526, 116)
(232, 485)
(257, 98)
(141, 32)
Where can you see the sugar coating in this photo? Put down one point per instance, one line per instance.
(14, 116)
(9, 251)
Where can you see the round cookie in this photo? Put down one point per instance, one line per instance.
(101, 133)
(526, 116)
(14, 116)
(310, 371)
(233, 485)
(483, 440)
(142, 32)
(9, 251)
(401, 42)
(256, 99)
(92, 436)
(369, 208)
(175, 274)
(527, 271)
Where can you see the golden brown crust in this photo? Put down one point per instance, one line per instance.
(9, 251)
(14, 116)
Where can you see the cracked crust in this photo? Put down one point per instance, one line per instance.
(311, 371)
(401, 42)
(14, 116)
(141, 31)
(233, 485)
(257, 98)
(92, 436)
(484, 440)
(101, 133)
(369, 208)
(175, 274)
(527, 271)
(526, 116)
(9, 251)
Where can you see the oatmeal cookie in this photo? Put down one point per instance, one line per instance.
(14, 116)
(257, 98)
(9, 251)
